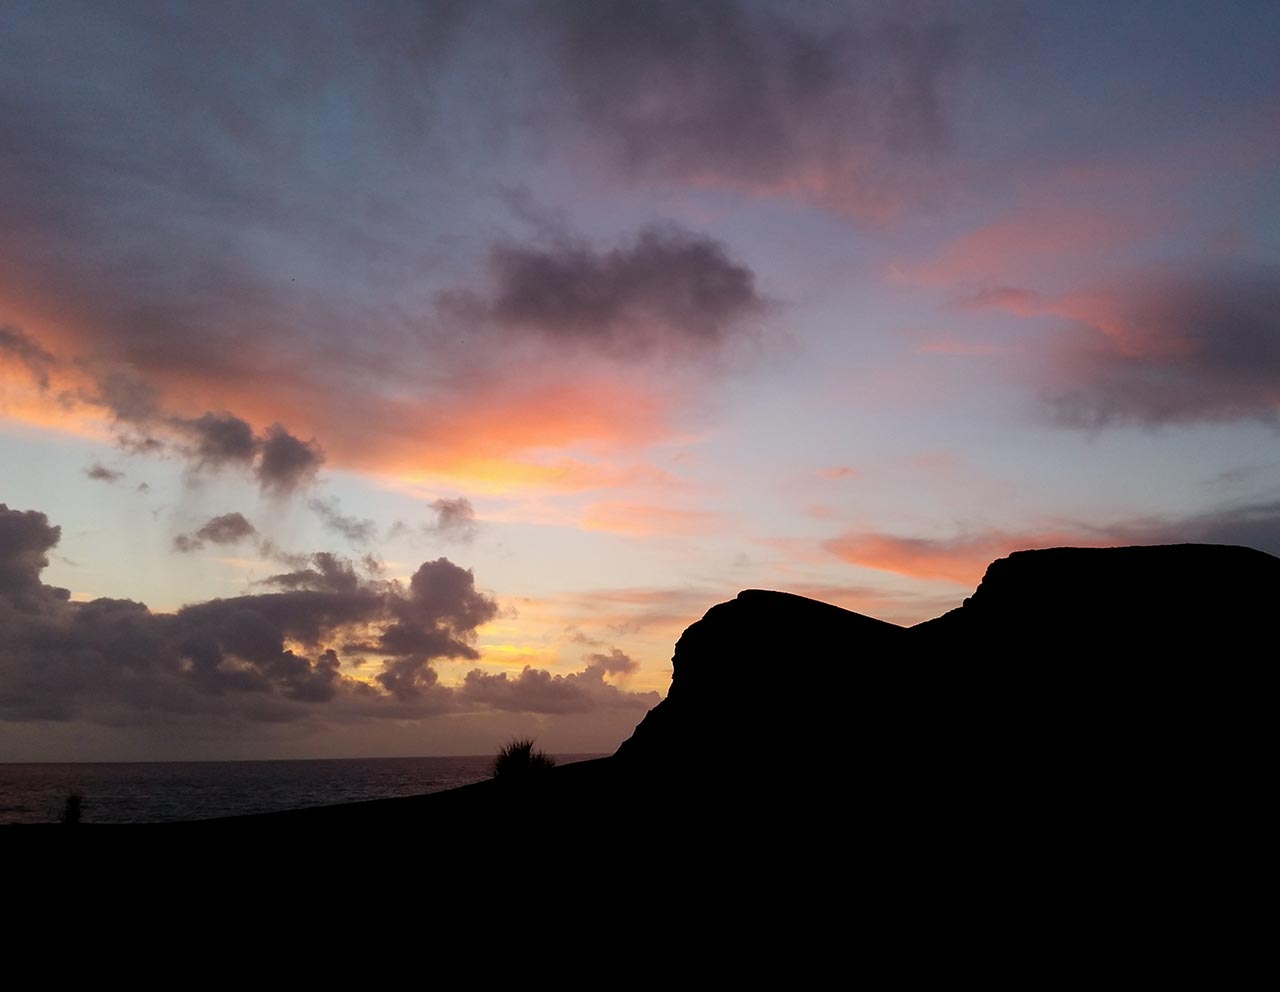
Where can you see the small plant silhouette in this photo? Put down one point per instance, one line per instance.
(519, 759)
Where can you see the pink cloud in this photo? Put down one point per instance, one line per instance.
(1019, 247)
(961, 560)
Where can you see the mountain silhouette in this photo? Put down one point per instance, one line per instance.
(1064, 652)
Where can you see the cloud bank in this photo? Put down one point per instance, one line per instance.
(271, 657)
(844, 106)
(1174, 346)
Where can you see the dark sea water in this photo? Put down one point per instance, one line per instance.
(152, 792)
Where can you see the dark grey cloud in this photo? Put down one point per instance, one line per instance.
(17, 347)
(225, 529)
(538, 691)
(219, 439)
(433, 620)
(287, 462)
(324, 572)
(668, 289)
(101, 473)
(281, 462)
(614, 663)
(270, 656)
(26, 537)
(357, 530)
(455, 519)
(831, 102)
(1178, 347)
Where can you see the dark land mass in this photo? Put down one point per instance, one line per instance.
(1079, 672)
(1083, 706)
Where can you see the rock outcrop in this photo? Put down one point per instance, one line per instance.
(1109, 670)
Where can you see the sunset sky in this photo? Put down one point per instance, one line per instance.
(394, 378)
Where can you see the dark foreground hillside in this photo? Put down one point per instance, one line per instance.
(1082, 704)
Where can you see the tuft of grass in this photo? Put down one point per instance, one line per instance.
(519, 759)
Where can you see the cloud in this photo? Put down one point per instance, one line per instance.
(1181, 343)
(614, 663)
(455, 519)
(219, 439)
(225, 529)
(17, 347)
(210, 442)
(1177, 346)
(960, 559)
(538, 691)
(844, 107)
(322, 571)
(963, 559)
(441, 607)
(281, 462)
(355, 529)
(1023, 244)
(287, 462)
(101, 473)
(667, 290)
(26, 537)
(261, 657)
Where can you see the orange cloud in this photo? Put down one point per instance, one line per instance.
(559, 430)
(838, 472)
(962, 560)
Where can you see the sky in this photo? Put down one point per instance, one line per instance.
(399, 378)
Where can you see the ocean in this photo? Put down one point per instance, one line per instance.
(155, 792)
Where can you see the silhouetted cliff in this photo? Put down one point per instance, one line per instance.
(1112, 670)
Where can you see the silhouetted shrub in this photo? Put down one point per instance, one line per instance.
(519, 760)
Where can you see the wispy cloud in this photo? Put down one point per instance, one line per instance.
(963, 558)
(229, 528)
(849, 110)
